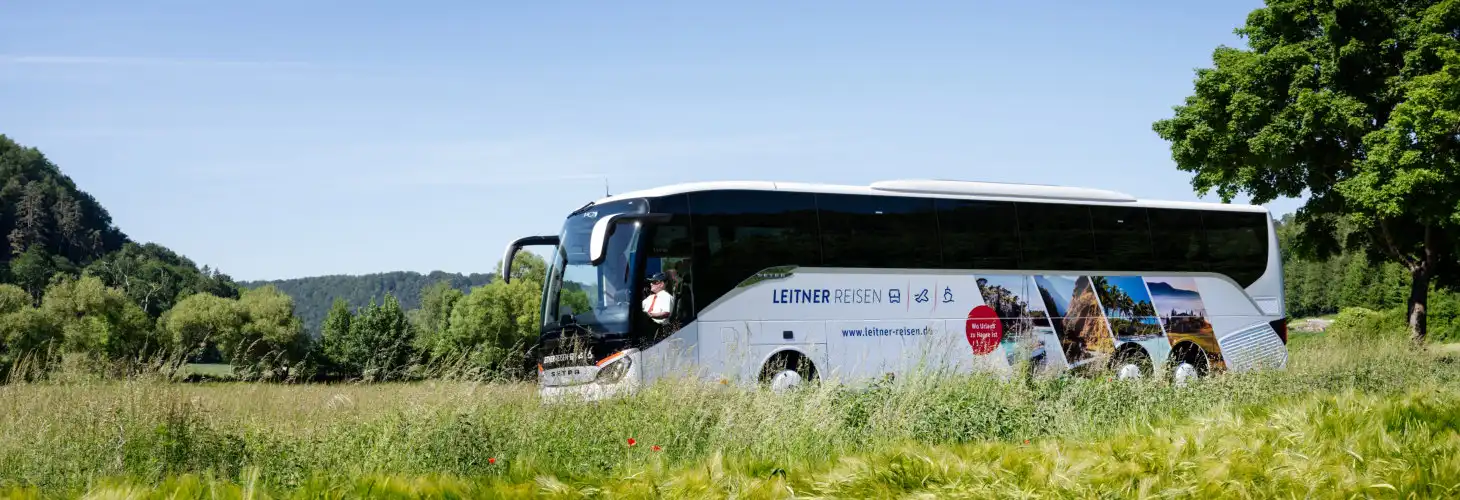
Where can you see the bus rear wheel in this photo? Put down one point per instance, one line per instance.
(1131, 364)
(1188, 363)
(787, 371)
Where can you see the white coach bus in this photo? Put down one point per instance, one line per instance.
(781, 283)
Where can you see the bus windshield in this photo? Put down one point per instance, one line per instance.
(581, 295)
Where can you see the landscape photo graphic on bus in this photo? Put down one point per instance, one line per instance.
(1132, 316)
(1027, 330)
(1182, 311)
(1079, 322)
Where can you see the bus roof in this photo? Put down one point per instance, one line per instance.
(937, 188)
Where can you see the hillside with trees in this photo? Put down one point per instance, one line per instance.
(75, 291)
(73, 283)
(49, 224)
(315, 296)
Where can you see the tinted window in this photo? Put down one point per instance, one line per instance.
(1176, 240)
(738, 233)
(877, 231)
(1054, 236)
(978, 234)
(675, 239)
(1237, 244)
(667, 249)
(1122, 238)
(677, 204)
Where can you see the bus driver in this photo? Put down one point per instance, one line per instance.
(659, 302)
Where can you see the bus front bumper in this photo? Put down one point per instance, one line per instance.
(603, 385)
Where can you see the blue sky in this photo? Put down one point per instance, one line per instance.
(281, 139)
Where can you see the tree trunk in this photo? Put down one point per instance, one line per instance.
(1419, 289)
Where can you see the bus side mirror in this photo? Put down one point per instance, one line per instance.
(605, 227)
(517, 244)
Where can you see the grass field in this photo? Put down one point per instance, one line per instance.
(1349, 418)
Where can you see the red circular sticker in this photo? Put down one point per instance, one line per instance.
(983, 330)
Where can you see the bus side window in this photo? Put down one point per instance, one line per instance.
(741, 232)
(1122, 238)
(978, 234)
(1176, 240)
(878, 231)
(670, 253)
(1055, 236)
(1237, 244)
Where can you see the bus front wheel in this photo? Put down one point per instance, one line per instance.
(786, 371)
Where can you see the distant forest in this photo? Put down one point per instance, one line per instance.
(313, 296)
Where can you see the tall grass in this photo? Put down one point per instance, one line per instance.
(1349, 415)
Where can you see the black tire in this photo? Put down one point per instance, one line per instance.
(1192, 354)
(1133, 355)
(788, 360)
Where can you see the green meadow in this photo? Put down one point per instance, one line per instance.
(1354, 415)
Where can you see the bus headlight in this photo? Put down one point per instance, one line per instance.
(615, 370)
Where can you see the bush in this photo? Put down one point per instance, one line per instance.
(1443, 313)
(1443, 318)
(1359, 323)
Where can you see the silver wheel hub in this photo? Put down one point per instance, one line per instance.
(1129, 371)
(785, 380)
(1183, 374)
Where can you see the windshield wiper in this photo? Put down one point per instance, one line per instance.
(581, 209)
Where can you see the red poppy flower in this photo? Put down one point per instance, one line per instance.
(656, 448)
(632, 442)
(491, 460)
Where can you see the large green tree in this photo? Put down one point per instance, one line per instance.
(375, 344)
(271, 342)
(434, 317)
(28, 335)
(1355, 103)
(25, 332)
(493, 325)
(99, 321)
(202, 320)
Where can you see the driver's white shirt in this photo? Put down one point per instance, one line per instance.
(661, 302)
